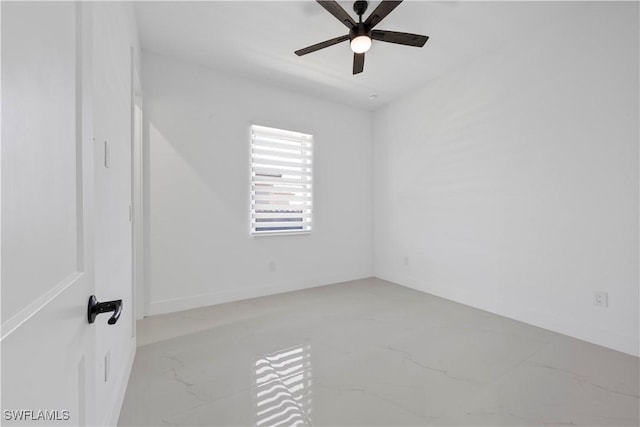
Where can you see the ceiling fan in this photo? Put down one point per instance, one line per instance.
(362, 33)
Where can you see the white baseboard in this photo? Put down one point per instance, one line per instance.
(121, 389)
(246, 292)
(549, 321)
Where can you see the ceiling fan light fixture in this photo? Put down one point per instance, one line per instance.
(361, 33)
(360, 44)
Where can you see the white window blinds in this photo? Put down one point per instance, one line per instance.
(281, 181)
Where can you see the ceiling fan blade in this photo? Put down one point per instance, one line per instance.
(336, 10)
(358, 63)
(322, 45)
(406, 39)
(380, 12)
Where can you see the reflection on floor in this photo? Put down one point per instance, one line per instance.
(382, 354)
(283, 387)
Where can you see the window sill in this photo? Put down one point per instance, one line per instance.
(297, 233)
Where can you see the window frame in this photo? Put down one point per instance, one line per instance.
(305, 187)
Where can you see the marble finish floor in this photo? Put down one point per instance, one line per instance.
(369, 352)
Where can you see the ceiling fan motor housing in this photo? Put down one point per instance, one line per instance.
(360, 7)
(359, 30)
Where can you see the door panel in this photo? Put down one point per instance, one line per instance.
(38, 150)
(44, 362)
(47, 242)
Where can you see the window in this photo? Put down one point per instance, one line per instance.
(281, 175)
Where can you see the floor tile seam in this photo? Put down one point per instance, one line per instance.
(144, 347)
(205, 403)
(581, 378)
(517, 365)
(462, 327)
(364, 390)
(407, 356)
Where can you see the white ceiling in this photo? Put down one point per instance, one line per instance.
(257, 39)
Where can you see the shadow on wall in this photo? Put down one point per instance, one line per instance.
(184, 164)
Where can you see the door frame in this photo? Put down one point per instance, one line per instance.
(137, 195)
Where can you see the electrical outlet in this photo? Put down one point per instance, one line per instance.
(272, 266)
(406, 261)
(601, 299)
(107, 365)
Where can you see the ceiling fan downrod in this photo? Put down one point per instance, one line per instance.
(360, 7)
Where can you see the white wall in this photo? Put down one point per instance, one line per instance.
(115, 33)
(512, 183)
(197, 130)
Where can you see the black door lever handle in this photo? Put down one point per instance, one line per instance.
(94, 308)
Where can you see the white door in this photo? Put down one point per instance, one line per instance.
(112, 106)
(47, 343)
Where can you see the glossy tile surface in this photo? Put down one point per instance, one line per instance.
(370, 352)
